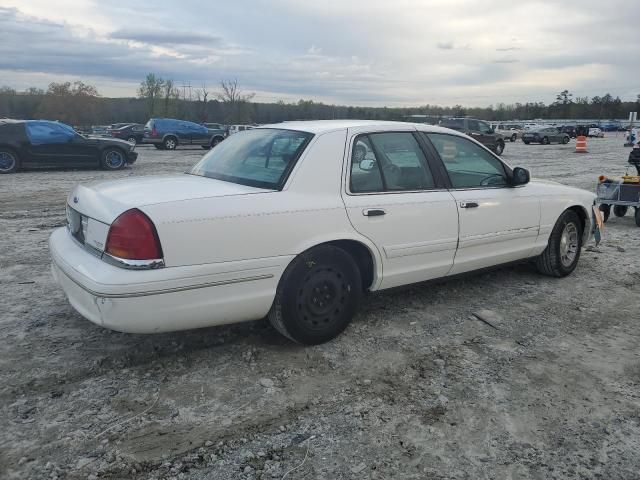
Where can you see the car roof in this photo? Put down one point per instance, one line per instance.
(325, 126)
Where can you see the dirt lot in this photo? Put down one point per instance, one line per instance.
(417, 387)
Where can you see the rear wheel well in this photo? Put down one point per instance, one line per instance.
(362, 257)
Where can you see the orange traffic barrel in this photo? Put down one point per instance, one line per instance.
(581, 144)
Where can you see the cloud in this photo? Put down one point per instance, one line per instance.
(167, 37)
(506, 60)
(386, 57)
(445, 45)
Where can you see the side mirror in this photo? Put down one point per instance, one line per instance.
(367, 165)
(521, 176)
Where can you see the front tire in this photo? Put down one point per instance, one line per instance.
(9, 160)
(113, 159)
(545, 141)
(620, 210)
(561, 256)
(499, 148)
(216, 141)
(317, 296)
(132, 140)
(565, 140)
(526, 142)
(513, 138)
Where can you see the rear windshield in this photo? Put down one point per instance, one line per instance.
(259, 158)
(452, 123)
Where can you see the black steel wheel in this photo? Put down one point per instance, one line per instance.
(317, 296)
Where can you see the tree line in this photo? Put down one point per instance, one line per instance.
(79, 103)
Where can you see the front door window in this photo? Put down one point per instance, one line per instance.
(468, 165)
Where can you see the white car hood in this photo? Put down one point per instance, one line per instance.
(104, 201)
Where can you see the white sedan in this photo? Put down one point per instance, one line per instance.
(296, 221)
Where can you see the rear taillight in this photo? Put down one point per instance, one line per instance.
(133, 236)
(154, 132)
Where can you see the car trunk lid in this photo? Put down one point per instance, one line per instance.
(91, 208)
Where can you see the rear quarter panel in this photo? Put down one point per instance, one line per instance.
(307, 212)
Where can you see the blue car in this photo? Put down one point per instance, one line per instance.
(168, 133)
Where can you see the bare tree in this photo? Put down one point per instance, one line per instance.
(151, 88)
(236, 103)
(202, 95)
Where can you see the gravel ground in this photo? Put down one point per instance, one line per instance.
(417, 387)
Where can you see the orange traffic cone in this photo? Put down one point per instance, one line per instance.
(581, 144)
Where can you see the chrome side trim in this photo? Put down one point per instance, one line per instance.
(165, 290)
(133, 264)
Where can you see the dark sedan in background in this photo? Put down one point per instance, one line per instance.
(545, 136)
(132, 133)
(46, 144)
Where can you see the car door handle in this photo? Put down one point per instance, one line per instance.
(471, 204)
(373, 212)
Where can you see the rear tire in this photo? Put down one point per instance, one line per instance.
(113, 159)
(620, 210)
(513, 138)
(216, 141)
(317, 296)
(170, 143)
(9, 160)
(565, 140)
(561, 256)
(526, 142)
(499, 148)
(545, 141)
(132, 140)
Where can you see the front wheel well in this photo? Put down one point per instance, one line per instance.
(582, 215)
(362, 256)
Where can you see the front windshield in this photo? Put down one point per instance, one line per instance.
(261, 157)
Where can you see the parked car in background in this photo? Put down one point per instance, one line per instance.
(45, 144)
(238, 128)
(100, 131)
(595, 132)
(216, 126)
(570, 130)
(545, 136)
(509, 130)
(478, 130)
(610, 126)
(223, 243)
(217, 135)
(115, 126)
(169, 133)
(131, 133)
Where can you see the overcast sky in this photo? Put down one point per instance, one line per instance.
(356, 52)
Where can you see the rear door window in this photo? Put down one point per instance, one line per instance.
(390, 161)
